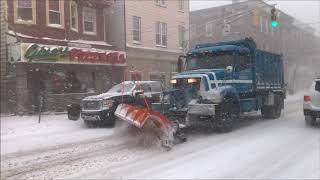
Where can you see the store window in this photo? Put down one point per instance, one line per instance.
(55, 13)
(89, 21)
(72, 82)
(161, 33)
(74, 15)
(136, 30)
(25, 11)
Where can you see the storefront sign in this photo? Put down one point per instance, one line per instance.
(58, 54)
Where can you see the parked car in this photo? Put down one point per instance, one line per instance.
(311, 103)
(99, 110)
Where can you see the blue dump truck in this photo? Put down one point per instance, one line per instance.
(217, 83)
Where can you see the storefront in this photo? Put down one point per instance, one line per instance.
(63, 75)
(151, 64)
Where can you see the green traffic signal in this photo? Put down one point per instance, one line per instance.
(274, 23)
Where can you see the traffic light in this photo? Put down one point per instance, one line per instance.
(274, 18)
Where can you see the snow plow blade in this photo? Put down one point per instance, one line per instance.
(141, 116)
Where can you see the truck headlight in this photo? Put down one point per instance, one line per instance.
(192, 80)
(107, 103)
(173, 81)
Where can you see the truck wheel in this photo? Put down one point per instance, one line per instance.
(226, 117)
(74, 118)
(91, 124)
(88, 124)
(310, 120)
(272, 112)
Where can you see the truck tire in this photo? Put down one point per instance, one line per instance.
(310, 120)
(273, 112)
(91, 124)
(73, 118)
(108, 121)
(227, 115)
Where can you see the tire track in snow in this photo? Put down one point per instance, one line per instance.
(146, 164)
(30, 162)
(91, 159)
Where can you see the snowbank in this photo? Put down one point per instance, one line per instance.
(25, 133)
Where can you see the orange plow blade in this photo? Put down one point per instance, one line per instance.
(141, 116)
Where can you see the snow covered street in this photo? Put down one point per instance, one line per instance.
(59, 148)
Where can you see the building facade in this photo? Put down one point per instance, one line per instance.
(57, 52)
(3, 57)
(297, 44)
(155, 35)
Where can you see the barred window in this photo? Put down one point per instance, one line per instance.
(136, 30)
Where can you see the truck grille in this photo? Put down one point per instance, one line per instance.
(91, 105)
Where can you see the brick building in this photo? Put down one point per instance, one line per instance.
(153, 33)
(3, 57)
(59, 48)
(298, 44)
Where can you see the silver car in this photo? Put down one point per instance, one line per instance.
(311, 103)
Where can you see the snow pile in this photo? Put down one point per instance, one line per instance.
(24, 133)
(148, 137)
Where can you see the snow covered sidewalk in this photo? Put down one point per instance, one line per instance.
(20, 134)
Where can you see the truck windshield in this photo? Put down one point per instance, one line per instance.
(210, 62)
(121, 88)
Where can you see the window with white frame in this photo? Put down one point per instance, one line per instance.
(261, 23)
(161, 33)
(73, 15)
(181, 5)
(182, 34)
(209, 29)
(160, 2)
(89, 20)
(55, 13)
(136, 30)
(25, 11)
(267, 26)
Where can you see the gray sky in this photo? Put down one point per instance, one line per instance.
(304, 10)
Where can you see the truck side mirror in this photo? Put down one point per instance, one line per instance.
(181, 63)
(229, 69)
